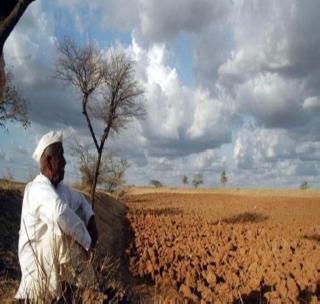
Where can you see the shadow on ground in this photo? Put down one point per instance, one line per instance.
(306, 296)
(10, 212)
(164, 211)
(242, 218)
(254, 297)
(313, 237)
(257, 296)
(115, 237)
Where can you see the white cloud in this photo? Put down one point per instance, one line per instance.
(166, 19)
(180, 120)
(256, 148)
(251, 61)
(312, 103)
(272, 100)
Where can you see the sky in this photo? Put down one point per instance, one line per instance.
(229, 85)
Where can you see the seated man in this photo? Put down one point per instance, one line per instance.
(58, 230)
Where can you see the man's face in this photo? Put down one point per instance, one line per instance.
(58, 163)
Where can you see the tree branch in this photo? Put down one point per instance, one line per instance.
(8, 24)
(85, 113)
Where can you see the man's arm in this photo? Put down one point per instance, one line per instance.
(93, 231)
(59, 216)
(84, 208)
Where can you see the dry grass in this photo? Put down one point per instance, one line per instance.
(110, 216)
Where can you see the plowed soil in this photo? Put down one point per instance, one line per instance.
(227, 246)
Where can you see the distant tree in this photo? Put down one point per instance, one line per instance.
(110, 92)
(12, 106)
(304, 185)
(185, 180)
(156, 183)
(223, 178)
(197, 180)
(10, 13)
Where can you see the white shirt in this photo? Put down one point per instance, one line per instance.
(47, 209)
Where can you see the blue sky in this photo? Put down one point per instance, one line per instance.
(229, 85)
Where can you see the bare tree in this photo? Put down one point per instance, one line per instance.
(10, 13)
(108, 84)
(13, 107)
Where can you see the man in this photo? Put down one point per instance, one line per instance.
(58, 230)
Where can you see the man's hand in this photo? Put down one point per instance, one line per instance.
(93, 231)
(91, 253)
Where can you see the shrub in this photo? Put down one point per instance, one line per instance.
(156, 183)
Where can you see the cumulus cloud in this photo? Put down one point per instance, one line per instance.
(180, 120)
(255, 147)
(272, 156)
(170, 171)
(30, 53)
(309, 151)
(2, 155)
(312, 103)
(251, 61)
(166, 19)
(272, 101)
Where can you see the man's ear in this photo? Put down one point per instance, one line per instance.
(49, 162)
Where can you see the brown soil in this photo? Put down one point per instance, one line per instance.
(228, 246)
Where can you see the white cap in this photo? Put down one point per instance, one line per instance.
(45, 141)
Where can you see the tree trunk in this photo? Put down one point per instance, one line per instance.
(95, 179)
(11, 12)
(96, 173)
(2, 76)
(9, 21)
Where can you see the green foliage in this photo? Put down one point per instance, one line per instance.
(156, 183)
(197, 180)
(223, 178)
(304, 185)
(185, 180)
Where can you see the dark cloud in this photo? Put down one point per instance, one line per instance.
(164, 20)
(307, 169)
(161, 147)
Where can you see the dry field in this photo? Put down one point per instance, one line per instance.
(228, 246)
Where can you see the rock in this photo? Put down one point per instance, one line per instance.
(186, 291)
(282, 289)
(314, 300)
(191, 279)
(150, 268)
(293, 290)
(211, 278)
(206, 293)
(272, 297)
